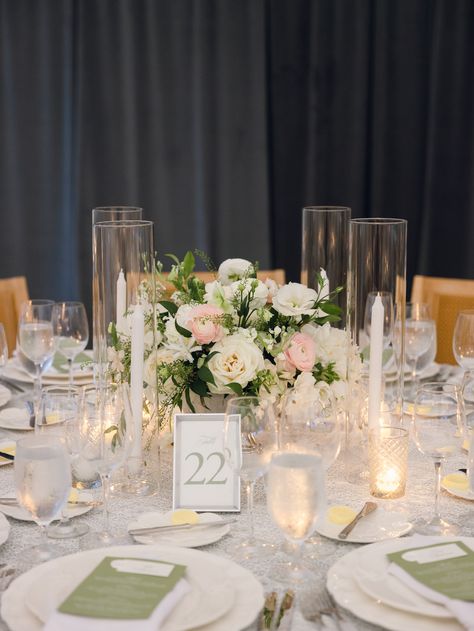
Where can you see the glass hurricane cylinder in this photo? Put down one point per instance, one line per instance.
(375, 322)
(100, 214)
(388, 462)
(124, 303)
(325, 244)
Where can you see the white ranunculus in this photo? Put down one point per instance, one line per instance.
(231, 270)
(219, 295)
(295, 299)
(242, 288)
(238, 360)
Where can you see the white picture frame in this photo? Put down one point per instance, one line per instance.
(202, 477)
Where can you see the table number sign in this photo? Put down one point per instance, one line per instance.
(202, 477)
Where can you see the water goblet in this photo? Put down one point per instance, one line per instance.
(420, 332)
(36, 341)
(314, 425)
(60, 417)
(439, 429)
(295, 499)
(106, 433)
(43, 482)
(71, 331)
(258, 435)
(463, 339)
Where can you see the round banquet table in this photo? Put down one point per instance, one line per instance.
(417, 501)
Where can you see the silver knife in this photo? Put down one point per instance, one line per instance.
(179, 527)
(12, 501)
(368, 508)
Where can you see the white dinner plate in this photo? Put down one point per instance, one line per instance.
(4, 529)
(8, 446)
(20, 513)
(5, 395)
(465, 494)
(246, 592)
(427, 373)
(185, 538)
(17, 418)
(14, 370)
(370, 573)
(378, 526)
(343, 587)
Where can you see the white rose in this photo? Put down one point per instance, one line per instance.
(242, 288)
(294, 299)
(218, 295)
(181, 347)
(237, 361)
(231, 270)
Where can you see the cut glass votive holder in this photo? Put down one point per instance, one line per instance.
(388, 462)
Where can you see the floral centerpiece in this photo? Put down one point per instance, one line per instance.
(235, 335)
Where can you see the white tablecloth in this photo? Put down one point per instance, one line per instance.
(418, 501)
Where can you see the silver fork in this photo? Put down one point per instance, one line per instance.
(326, 607)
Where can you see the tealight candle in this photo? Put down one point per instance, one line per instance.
(388, 462)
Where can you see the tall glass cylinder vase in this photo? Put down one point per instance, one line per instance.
(325, 244)
(375, 322)
(100, 214)
(124, 312)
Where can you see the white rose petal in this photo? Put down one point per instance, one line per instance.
(295, 299)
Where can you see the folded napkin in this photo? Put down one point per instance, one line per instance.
(463, 610)
(66, 622)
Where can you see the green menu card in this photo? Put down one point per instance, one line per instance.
(123, 589)
(447, 568)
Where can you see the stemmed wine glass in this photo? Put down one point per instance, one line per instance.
(463, 340)
(36, 341)
(106, 439)
(71, 331)
(295, 499)
(60, 417)
(439, 429)
(420, 331)
(313, 426)
(43, 484)
(258, 435)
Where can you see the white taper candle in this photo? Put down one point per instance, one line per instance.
(121, 302)
(136, 379)
(375, 366)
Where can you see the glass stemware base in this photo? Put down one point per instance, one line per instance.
(292, 572)
(67, 530)
(436, 526)
(252, 549)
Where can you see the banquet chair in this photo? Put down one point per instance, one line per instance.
(446, 298)
(13, 292)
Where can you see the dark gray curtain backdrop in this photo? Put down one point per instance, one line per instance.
(222, 118)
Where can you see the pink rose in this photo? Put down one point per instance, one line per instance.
(301, 352)
(204, 323)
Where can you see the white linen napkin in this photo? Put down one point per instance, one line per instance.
(461, 609)
(66, 622)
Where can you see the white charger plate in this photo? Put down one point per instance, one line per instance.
(5, 395)
(4, 529)
(15, 418)
(6, 444)
(14, 370)
(370, 573)
(378, 526)
(343, 587)
(186, 538)
(246, 590)
(20, 513)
